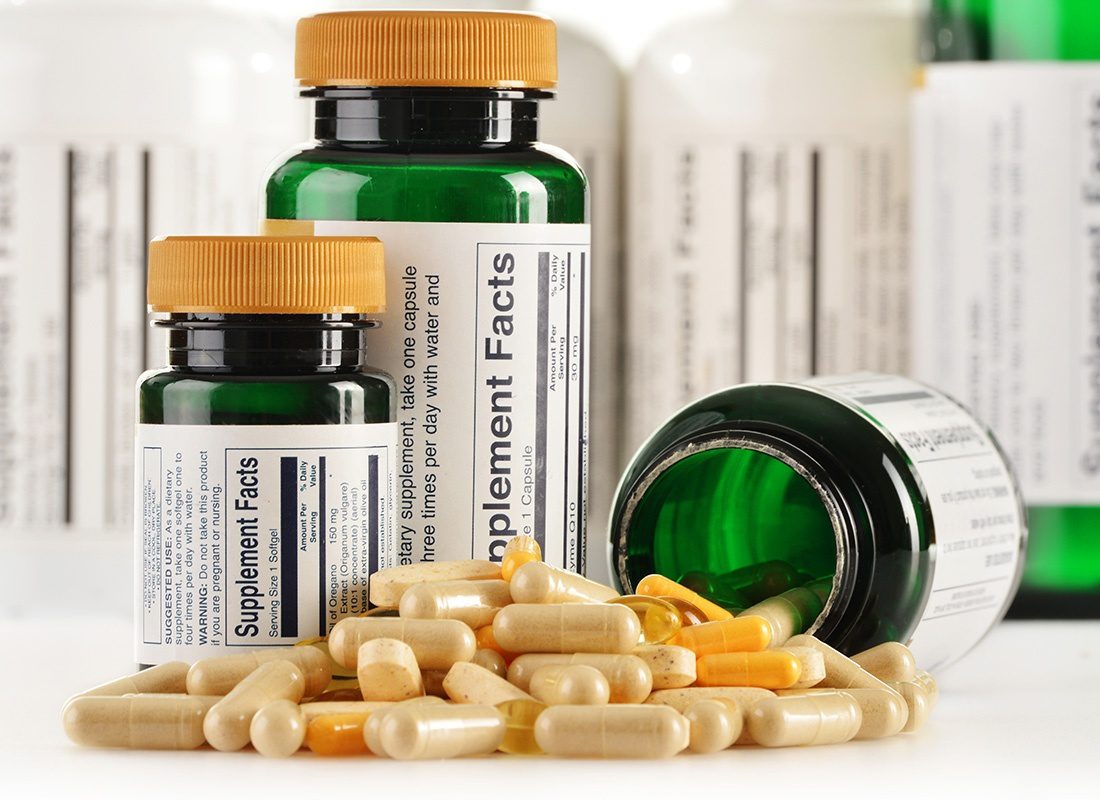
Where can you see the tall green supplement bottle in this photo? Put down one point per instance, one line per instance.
(426, 133)
(1007, 232)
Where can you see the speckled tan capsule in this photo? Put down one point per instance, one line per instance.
(226, 724)
(891, 662)
(169, 678)
(412, 732)
(218, 675)
(570, 684)
(388, 670)
(808, 719)
(388, 585)
(629, 677)
(614, 731)
(143, 721)
(373, 727)
(536, 582)
(840, 671)
(917, 701)
(468, 683)
(278, 729)
(884, 713)
(673, 667)
(472, 602)
(811, 664)
(566, 628)
(437, 643)
(714, 725)
(492, 661)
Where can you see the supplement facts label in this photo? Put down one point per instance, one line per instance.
(256, 535)
(486, 333)
(979, 531)
(1008, 262)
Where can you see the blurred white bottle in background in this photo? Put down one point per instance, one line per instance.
(768, 190)
(120, 120)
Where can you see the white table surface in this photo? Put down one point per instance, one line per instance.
(1018, 717)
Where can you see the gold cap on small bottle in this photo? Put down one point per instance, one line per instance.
(490, 49)
(266, 275)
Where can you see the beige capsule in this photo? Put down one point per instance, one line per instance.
(413, 732)
(325, 709)
(787, 614)
(570, 684)
(745, 696)
(492, 661)
(807, 719)
(925, 680)
(812, 664)
(840, 671)
(613, 731)
(218, 675)
(472, 602)
(226, 724)
(373, 727)
(388, 585)
(566, 628)
(537, 582)
(169, 678)
(673, 667)
(918, 702)
(388, 670)
(470, 684)
(139, 721)
(884, 713)
(891, 662)
(629, 677)
(714, 725)
(278, 729)
(437, 643)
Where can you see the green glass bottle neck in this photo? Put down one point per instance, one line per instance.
(1013, 30)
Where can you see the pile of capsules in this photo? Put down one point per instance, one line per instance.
(468, 658)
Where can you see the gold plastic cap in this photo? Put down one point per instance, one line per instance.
(267, 275)
(490, 49)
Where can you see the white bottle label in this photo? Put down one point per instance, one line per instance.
(1008, 269)
(763, 259)
(979, 531)
(486, 334)
(256, 535)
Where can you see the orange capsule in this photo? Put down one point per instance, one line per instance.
(337, 735)
(735, 635)
(659, 586)
(487, 640)
(769, 669)
(520, 550)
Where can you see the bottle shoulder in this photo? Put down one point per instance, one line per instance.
(160, 379)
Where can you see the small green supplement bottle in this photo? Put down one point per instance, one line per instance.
(426, 136)
(265, 449)
(875, 505)
(1007, 261)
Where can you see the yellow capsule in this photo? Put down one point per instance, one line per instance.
(437, 643)
(372, 729)
(614, 731)
(756, 582)
(690, 614)
(566, 628)
(714, 725)
(218, 675)
(660, 586)
(840, 671)
(659, 619)
(468, 683)
(672, 666)
(812, 664)
(388, 670)
(536, 582)
(521, 549)
(169, 678)
(440, 731)
(519, 723)
(629, 677)
(805, 720)
(570, 684)
(492, 661)
(788, 614)
(337, 735)
(924, 680)
(736, 635)
(312, 710)
(387, 585)
(891, 662)
(487, 641)
(226, 724)
(884, 713)
(278, 729)
(145, 721)
(917, 701)
(770, 669)
(472, 602)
